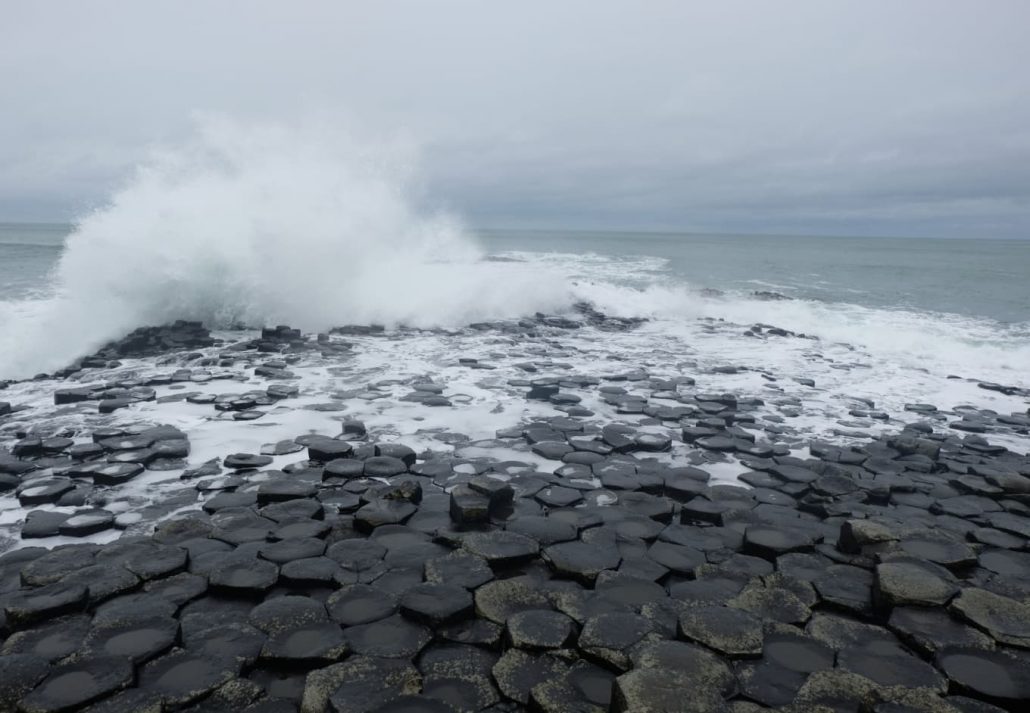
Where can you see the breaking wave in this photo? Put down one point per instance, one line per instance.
(309, 227)
(259, 226)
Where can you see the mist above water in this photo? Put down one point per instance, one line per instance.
(265, 225)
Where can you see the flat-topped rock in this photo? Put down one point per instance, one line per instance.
(501, 548)
(498, 600)
(360, 683)
(994, 675)
(392, 637)
(913, 582)
(435, 603)
(731, 632)
(180, 678)
(1006, 620)
(581, 560)
(653, 689)
(461, 568)
(928, 630)
(73, 685)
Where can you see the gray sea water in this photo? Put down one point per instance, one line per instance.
(963, 305)
(982, 278)
(973, 278)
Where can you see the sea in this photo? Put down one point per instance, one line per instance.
(961, 305)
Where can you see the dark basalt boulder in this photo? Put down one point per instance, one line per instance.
(538, 630)
(731, 632)
(384, 466)
(435, 603)
(360, 683)
(929, 630)
(244, 576)
(19, 674)
(501, 548)
(518, 672)
(1005, 619)
(42, 523)
(461, 568)
(580, 560)
(915, 582)
(138, 641)
(52, 641)
(73, 685)
(498, 600)
(324, 449)
(28, 606)
(308, 645)
(86, 523)
(392, 637)
(659, 689)
(997, 676)
(357, 604)
(180, 678)
(242, 461)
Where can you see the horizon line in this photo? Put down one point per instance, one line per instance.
(634, 231)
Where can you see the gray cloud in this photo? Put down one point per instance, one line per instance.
(868, 117)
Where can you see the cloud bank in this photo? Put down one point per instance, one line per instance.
(873, 117)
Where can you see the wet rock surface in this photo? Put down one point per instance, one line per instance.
(635, 540)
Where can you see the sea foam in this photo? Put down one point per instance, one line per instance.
(266, 225)
(308, 226)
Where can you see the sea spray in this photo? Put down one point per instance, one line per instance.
(307, 226)
(265, 225)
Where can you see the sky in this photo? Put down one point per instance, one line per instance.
(875, 117)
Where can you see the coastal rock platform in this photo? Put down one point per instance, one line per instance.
(520, 516)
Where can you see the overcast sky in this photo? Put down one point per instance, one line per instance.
(892, 117)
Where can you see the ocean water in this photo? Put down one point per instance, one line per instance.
(253, 227)
(965, 301)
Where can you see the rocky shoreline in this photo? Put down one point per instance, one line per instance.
(583, 559)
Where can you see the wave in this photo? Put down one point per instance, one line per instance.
(264, 225)
(310, 227)
(943, 342)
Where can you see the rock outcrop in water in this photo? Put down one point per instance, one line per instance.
(585, 559)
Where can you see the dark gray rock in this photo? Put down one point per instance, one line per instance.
(241, 461)
(28, 606)
(659, 689)
(392, 637)
(19, 674)
(994, 675)
(929, 630)
(915, 582)
(461, 568)
(51, 642)
(435, 604)
(498, 600)
(468, 506)
(1005, 619)
(891, 666)
(731, 632)
(518, 672)
(501, 548)
(580, 560)
(538, 630)
(138, 641)
(360, 684)
(76, 684)
(244, 576)
(180, 678)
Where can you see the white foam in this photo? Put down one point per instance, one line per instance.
(263, 226)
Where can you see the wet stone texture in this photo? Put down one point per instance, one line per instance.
(593, 557)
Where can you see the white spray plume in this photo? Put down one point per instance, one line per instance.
(266, 225)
